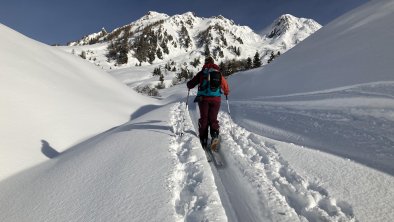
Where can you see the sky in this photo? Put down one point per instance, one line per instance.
(59, 21)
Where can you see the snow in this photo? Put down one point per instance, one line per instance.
(51, 97)
(309, 137)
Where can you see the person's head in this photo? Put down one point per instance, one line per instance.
(209, 60)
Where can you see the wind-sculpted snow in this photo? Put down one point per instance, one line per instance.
(354, 122)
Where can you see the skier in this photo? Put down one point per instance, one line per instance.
(211, 84)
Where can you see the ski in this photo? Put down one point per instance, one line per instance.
(214, 151)
(213, 156)
(217, 158)
(209, 155)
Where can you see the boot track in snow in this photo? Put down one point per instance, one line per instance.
(256, 184)
(195, 196)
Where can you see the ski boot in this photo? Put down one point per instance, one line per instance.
(215, 141)
(204, 143)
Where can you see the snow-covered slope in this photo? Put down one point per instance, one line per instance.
(320, 151)
(332, 93)
(183, 38)
(343, 67)
(50, 98)
(335, 56)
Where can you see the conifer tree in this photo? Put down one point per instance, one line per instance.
(185, 38)
(207, 52)
(256, 60)
(221, 54)
(161, 85)
(195, 62)
(159, 54)
(161, 78)
(123, 50)
(229, 70)
(222, 67)
(157, 72)
(111, 51)
(163, 45)
(151, 57)
(249, 63)
(272, 57)
(83, 55)
(183, 75)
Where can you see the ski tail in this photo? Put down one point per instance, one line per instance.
(214, 150)
(217, 159)
(209, 155)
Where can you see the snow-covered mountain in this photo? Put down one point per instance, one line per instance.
(287, 31)
(91, 38)
(158, 37)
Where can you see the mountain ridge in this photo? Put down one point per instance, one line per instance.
(159, 37)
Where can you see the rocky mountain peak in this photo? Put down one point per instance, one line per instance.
(153, 14)
(157, 37)
(288, 23)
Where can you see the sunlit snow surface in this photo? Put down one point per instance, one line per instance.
(309, 137)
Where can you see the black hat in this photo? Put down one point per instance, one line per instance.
(208, 60)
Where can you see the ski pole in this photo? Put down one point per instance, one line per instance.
(228, 106)
(187, 98)
(229, 114)
(184, 113)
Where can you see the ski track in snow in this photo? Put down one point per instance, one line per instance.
(285, 193)
(195, 194)
(257, 182)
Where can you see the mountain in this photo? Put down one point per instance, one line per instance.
(90, 39)
(291, 30)
(158, 37)
(309, 137)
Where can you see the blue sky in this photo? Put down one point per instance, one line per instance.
(60, 21)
